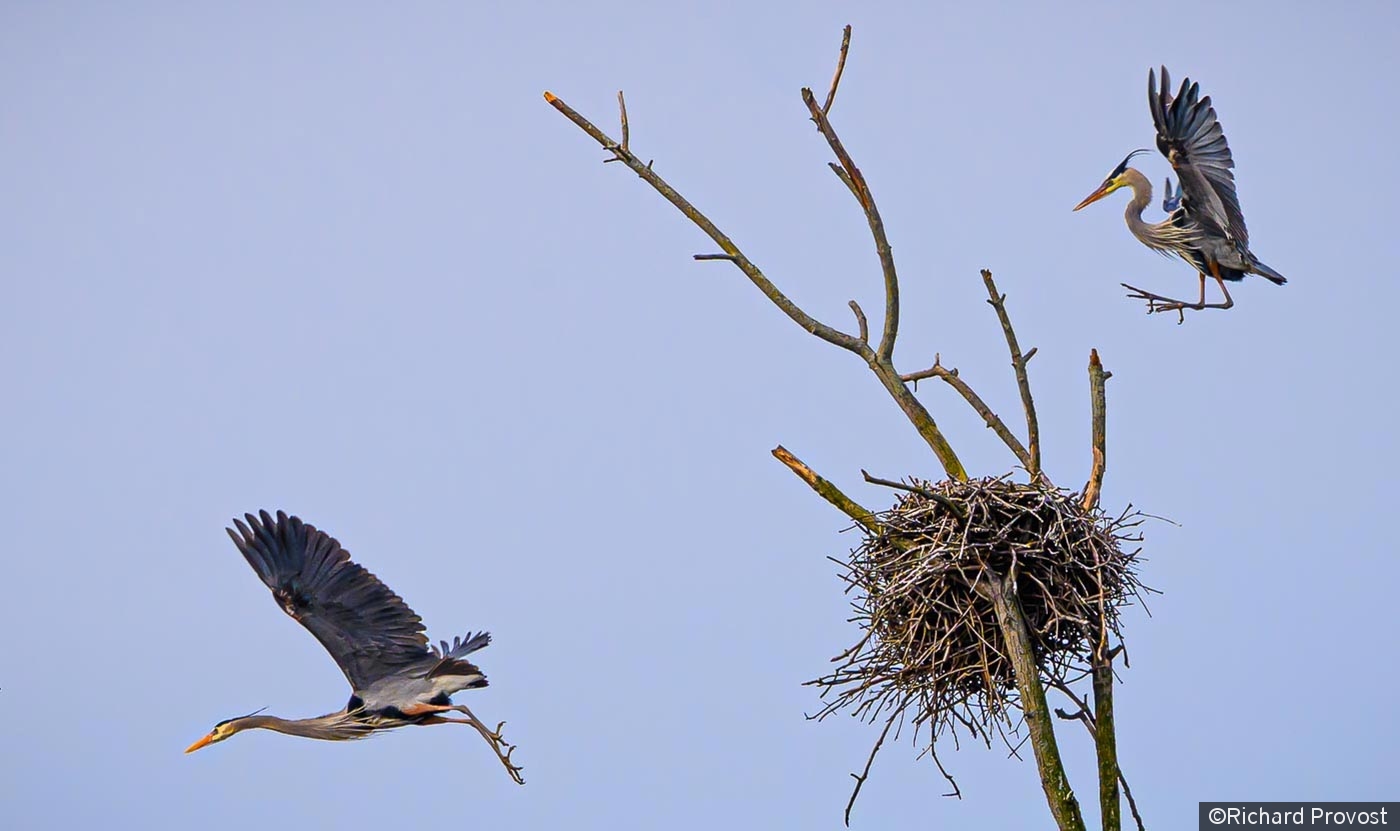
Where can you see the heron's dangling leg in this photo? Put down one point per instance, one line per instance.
(1158, 303)
(492, 737)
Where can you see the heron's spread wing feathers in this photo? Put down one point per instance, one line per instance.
(369, 631)
(1189, 135)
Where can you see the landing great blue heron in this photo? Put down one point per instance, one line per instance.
(1205, 226)
(396, 678)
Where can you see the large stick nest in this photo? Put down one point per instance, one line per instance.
(930, 650)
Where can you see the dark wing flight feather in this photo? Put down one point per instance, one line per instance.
(1189, 135)
(369, 631)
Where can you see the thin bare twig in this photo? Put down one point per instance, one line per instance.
(622, 109)
(877, 359)
(1088, 720)
(836, 79)
(993, 421)
(1132, 803)
(872, 216)
(952, 506)
(1098, 408)
(1018, 363)
(725, 257)
(864, 327)
(844, 177)
(865, 774)
(801, 318)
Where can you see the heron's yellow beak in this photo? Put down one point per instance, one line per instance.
(209, 739)
(1103, 190)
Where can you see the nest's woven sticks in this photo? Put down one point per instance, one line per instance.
(931, 653)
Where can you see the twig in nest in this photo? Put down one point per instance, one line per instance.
(870, 760)
(953, 507)
(932, 645)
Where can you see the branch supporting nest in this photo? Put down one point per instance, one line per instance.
(1016, 634)
(971, 595)
(863, 517)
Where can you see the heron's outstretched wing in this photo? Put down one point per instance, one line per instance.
(1189, 135)
(369, 631)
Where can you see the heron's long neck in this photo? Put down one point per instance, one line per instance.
(321, 727)
(1142, 197)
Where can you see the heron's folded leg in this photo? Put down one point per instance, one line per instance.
(423, 709)
(1229, 301)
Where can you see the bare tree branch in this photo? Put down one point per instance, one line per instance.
(951, 378)
(844, 177)
(1017, 637)
(1105, 739)
(703, 222)
(622, 110)
(836, 79)
(1088, 720)
(1018, 363)
(872, 215)
(878, 359)
(864, 327)
(848, 506)
(1098, 407)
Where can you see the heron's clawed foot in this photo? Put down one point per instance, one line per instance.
(1158, 303)
(497, 741)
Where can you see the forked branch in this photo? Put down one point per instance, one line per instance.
(993, 421)
(731, 251)
(1000, 589)
(878, 358)
(1027, 454)
(1018, 363)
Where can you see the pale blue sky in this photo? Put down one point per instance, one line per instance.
(342, 259)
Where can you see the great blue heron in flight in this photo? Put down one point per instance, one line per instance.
(1205, 226)
(396, 678)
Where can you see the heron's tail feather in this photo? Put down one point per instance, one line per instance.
(462, 647)
(452, 660)
(1266, 272)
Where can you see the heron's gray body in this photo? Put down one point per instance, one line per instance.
(432, 681)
